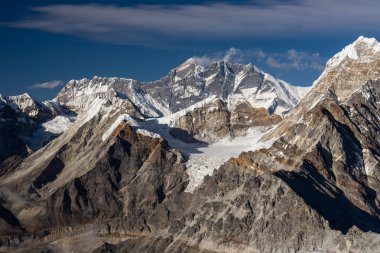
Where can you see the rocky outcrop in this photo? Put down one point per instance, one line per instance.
(334, 127)
(216, 120)
(209, 123)
(243, 117)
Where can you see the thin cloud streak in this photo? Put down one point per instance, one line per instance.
(296, 60)
(151, 24)
(47, 85)
(290, 60)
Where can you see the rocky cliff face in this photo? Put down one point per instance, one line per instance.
(213, 120)
(329, 139)
(118, 181)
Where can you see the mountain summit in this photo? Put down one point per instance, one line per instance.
(362, 50)
(188, 84)
(191, 83)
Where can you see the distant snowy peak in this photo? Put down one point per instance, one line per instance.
(25, 103)
(191, 83)
(363, 50)
(186, 85)
(189, 65)
(27, 124)
(348, 70)
(26, 106)
(79, 94)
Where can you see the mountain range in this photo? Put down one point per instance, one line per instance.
(218, 158)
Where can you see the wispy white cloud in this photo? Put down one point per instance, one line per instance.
(231, 55)
(296, 60)
(148, 24)
(290, 60)
(47, 85)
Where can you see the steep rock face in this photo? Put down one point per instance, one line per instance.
(340, 80)
(86, 178)
(362, 57)
(214, 120)
(346, 72)
(239, 210)
(338, 153)
(208, 123)
(330, 140)
(131, 187)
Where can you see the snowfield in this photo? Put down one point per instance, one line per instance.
(208, 158)
(58, 125)
(203, 158)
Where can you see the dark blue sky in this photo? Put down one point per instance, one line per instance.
(43, 41)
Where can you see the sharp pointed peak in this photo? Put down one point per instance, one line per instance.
(367, 40)
(363, 49)
(190, 61)
(24, 95)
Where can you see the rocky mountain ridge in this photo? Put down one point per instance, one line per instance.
(118, 181)
(244, 92)
(188, 84)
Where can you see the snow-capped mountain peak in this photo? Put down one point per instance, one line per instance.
(78, 95)
(189, 68)
(362, 50)
(186, 85)
(190, 83)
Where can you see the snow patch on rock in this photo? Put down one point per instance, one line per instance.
(58, 125)
(168, 120)
(132, 122)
